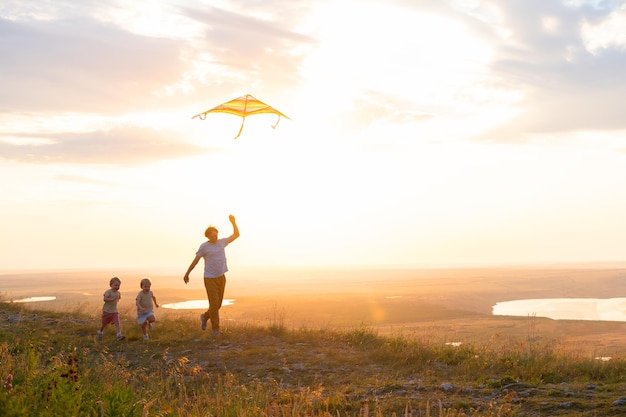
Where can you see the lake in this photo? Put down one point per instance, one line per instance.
(611, 309)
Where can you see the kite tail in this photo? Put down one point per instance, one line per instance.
(276, 124)
(243, 119)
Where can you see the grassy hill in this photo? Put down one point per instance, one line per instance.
(52, 365)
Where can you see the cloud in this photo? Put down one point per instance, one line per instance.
(121, 146)
(565, 86)
(267, 52)
(81, 65)
(93, 59)
(536, 59)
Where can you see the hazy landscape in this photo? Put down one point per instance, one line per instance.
(315, 342)
(456, 303)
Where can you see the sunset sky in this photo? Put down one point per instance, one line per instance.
(422, 133)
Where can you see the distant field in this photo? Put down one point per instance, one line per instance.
(457, 303)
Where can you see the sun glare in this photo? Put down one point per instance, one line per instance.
(348, 43)
(392, 59)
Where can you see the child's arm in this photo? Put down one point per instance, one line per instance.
(111, 297)
(155, 301)
(140, 309)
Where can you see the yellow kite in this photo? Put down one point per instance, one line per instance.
(243, 106)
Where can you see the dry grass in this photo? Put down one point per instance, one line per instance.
(52, 364)
(333, 345)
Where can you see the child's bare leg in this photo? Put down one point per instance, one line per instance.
(103, 324)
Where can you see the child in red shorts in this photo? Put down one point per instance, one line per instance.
(109, 309)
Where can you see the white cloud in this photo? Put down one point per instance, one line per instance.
(607, 33)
